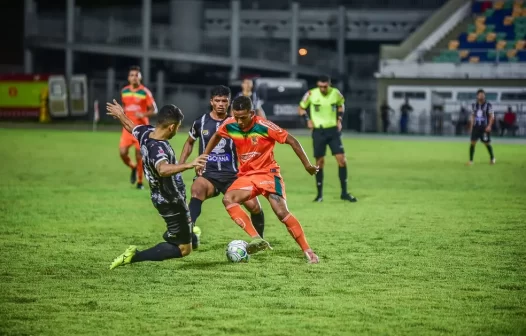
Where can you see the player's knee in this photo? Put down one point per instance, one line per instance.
(197, 192)
(282, 214)
(253, 207)
(341, 160)
(228, 199)
(320, 162)
(186, 249)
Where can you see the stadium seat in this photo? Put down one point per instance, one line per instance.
(497, 33)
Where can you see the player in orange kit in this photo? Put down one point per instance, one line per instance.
(259, 174)
(138, 105)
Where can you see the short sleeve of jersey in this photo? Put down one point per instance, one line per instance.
(139, 130)
(150, 101)
(157, 154)
(195, 129)
(222, 131)
(340, 99)
(274, 131)
(305, 101)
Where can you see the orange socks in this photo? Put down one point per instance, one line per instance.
(140, 171)
(241, 218)
(296, 231)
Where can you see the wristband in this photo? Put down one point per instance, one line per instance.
(306, 117)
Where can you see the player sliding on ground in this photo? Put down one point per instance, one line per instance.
(166, 184)
(259, 173)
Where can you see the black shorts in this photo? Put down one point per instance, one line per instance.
(220, 183)
(321, 137)
(479, 133)
(178, 223)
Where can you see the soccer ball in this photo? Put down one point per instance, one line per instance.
(236, 251)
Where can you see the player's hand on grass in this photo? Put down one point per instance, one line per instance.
(200, 161)
(310, 125)
(312, 169)
(114, 109)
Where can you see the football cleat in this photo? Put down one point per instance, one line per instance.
(349, 197)
(125, 258)
(140, 186)
(469, 163)
(258, 245)
(492, 161)
(318, 199)
(312, 258)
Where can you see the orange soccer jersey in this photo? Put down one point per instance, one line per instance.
(255, 147)
(137, 100)
(258, 171)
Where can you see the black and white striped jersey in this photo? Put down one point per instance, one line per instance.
(170, 189)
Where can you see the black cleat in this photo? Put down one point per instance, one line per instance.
(133, 176)
(140, 186)
(318, 199)
(349, 197)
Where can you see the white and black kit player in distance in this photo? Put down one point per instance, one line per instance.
(481, 123)
(221, 167)
(166, 184)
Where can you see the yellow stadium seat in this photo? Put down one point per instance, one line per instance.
(480, 29)
(464, 53)
(501, 44)
(508, 20)
(474, 59)
(520, 44)
(453, 45)
(498, 4)
(472, 37)
(480, 20)
(511, 53)
(491, 37)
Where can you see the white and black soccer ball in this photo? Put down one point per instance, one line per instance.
(236, 251)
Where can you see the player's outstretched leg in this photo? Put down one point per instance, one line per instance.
(201, 190)
(160, 252)
(256, 215)
(231, 200)
(279, 205)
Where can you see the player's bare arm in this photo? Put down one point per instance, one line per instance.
(188, 147)
(300, 152)
(165, 169)
(490, 123)
(341, 110)
(471, 122)
(212, 143)
(116, 111)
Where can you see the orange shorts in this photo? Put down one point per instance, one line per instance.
(128, 140)
(260, 184)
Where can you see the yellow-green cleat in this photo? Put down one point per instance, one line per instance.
(257, 245)
(124, 258)
(197, 231)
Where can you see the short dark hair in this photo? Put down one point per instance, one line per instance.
(169, 114)
(221, 91)
(135, 68)
(324, 79)
(242, 103)
(480, 91)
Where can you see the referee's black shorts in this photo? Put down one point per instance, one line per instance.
(323, 137)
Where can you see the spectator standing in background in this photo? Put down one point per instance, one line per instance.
(247, 87)
(404, 118)
(385, 109)
(508, 123)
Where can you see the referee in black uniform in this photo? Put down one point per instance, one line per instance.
(481, 122)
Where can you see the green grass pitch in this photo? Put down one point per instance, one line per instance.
(432, 247)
